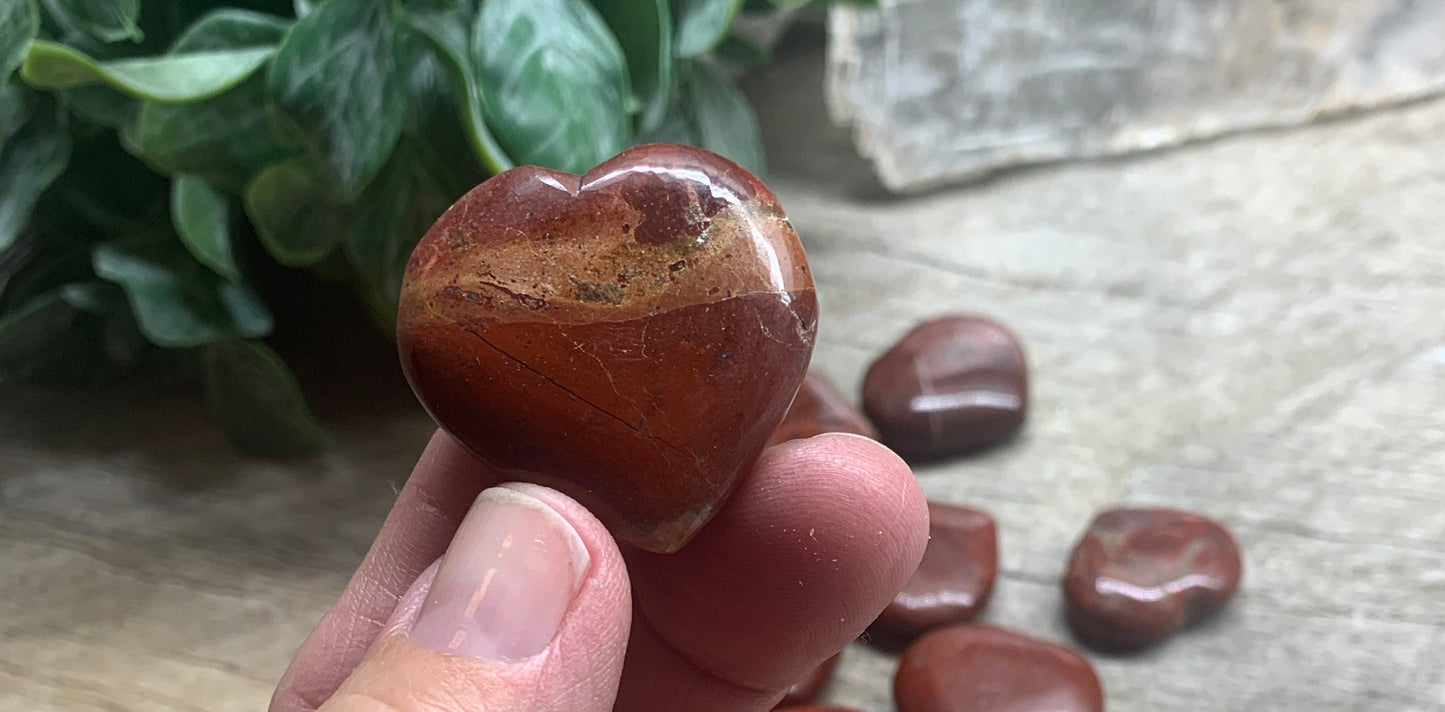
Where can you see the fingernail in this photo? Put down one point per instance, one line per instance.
(506, 581)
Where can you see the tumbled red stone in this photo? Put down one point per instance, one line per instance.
(631, 337)
(982, 668)
(955, 577)
(1139, 575)
(821, 408)
(952, 384)
(807, 689)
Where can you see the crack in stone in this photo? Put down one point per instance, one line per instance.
(574, 394)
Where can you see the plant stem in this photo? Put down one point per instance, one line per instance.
(493, 158)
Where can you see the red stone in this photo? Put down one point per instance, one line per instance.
(632, 336)
(821, 408)
(815, 708)
(982, 668)
(952, 384)
(1140, 575)
(955, 578)
(807, 689)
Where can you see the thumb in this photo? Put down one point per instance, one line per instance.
(528, 611)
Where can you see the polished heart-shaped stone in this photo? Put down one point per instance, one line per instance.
(631, 336)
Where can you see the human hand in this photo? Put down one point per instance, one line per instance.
(535, 608)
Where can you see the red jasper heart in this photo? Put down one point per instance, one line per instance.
(631, 336)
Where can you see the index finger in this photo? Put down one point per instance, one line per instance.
(820, 537)
(442, 487)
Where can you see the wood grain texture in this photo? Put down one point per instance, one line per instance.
(1251, 328)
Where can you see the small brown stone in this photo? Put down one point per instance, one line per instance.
(982, 668)
(631, 337)
(1139, 575)
(807, 689)
(821, 408)
(955, 578)
(952, 384)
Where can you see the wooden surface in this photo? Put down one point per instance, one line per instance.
(1254, 328)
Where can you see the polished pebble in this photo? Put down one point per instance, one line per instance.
(631, 337)
(807, 689)
(955, 578)
(1139, 575)
(951, 385)
(821, 408)
(982, 668)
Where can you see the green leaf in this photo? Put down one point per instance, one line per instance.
(256, 400)
(13, 111)
(644, 29)
(302, 8)
(446, 26)
(675, 128)
(225, 140)
(701, 24)
(178, 303)
(93, 297)
(172, 78)
(287, 204)
(228, 29)
(396, 212)
(336, 78)
(105, 20)
(202, 218)
(767, 6)
(100, 105)
(217, 31)
(19, 23)
(29, 162)
(163, 22)
(377, 245)
(725, 121)
(742, 53)
(555, 82)
(433, 129)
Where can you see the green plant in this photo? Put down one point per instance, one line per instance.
(158, 160)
